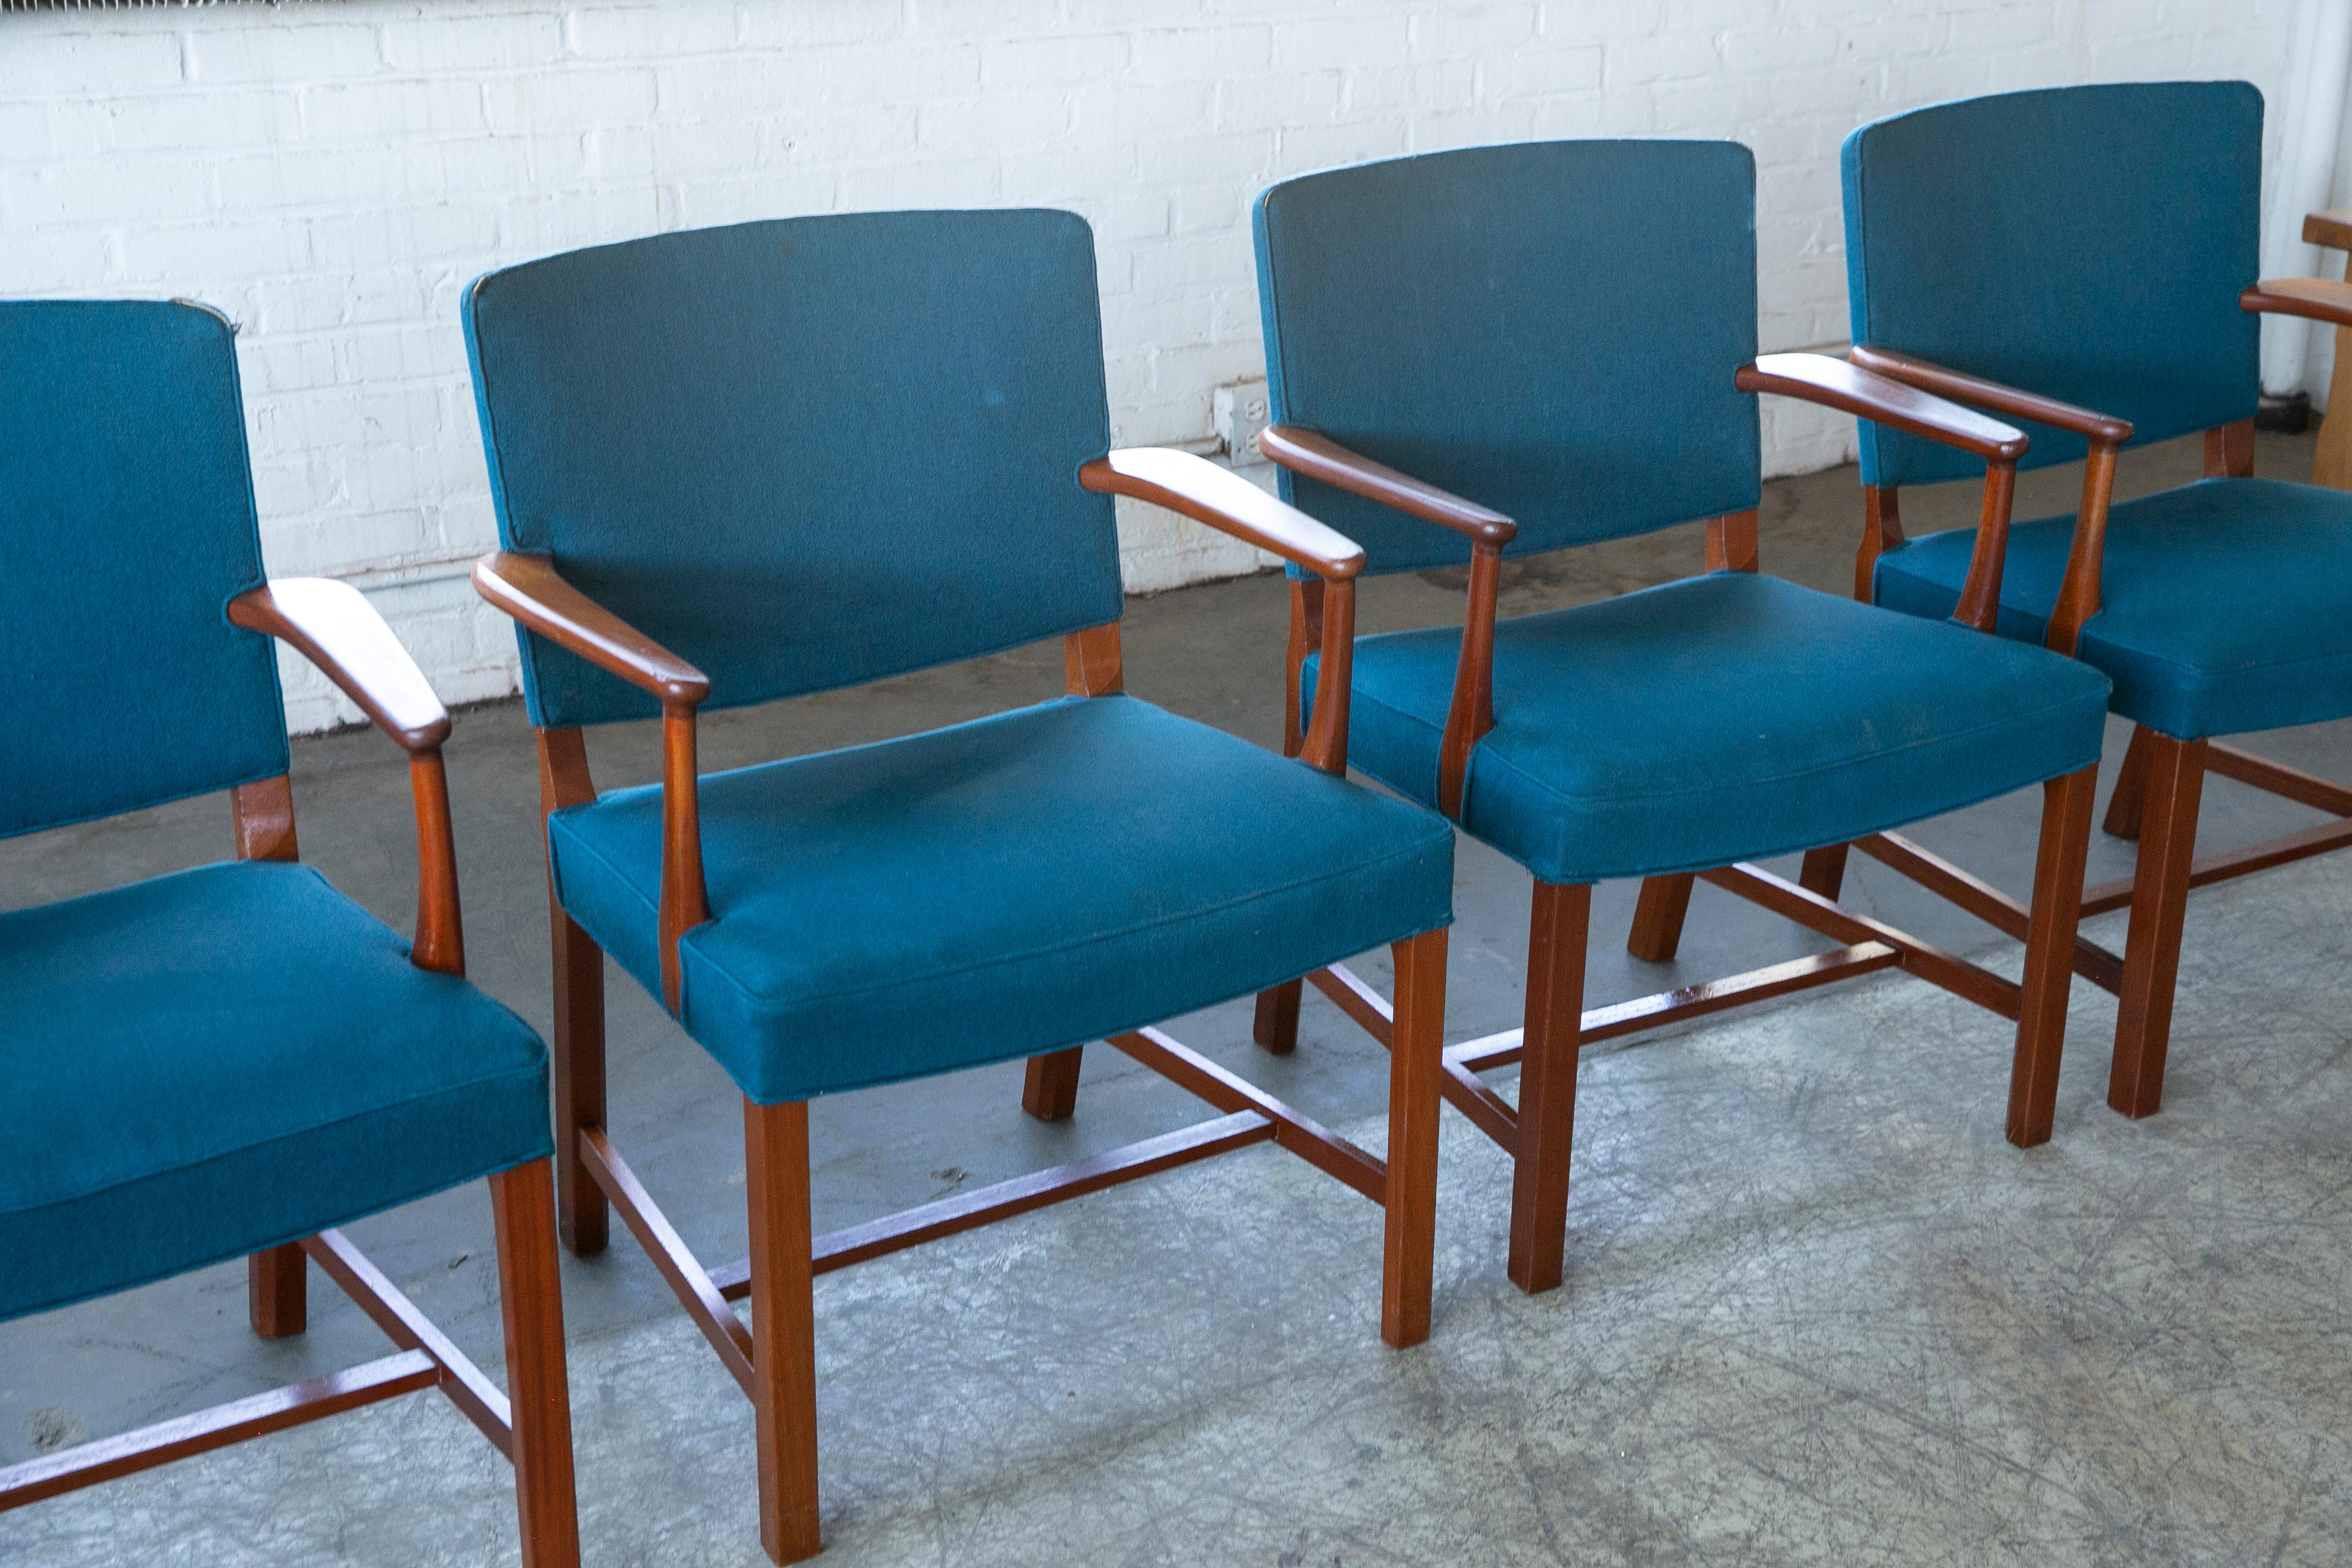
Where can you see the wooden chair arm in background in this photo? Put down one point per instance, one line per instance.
(531, 589)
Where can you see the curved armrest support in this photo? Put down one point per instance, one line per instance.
(2013, 402)
(528, 588)
(333, 625)
(2317, 299)
(1882, 400)
(1320, 458)
(1224, 501)
(532, 590)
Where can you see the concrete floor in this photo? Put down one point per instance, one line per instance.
(1194, 1399)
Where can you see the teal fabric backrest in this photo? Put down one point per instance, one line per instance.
(1549, 329)
(804, 453)
(126, 526)
(2086, 243)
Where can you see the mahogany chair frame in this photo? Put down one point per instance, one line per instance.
(1537, 1132)
(774, 1360)
(334, 627)
(2161, 783)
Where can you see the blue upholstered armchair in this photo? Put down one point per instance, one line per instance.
(233, 1060)
(740, 463)
(2082, 261)
(1503, 350)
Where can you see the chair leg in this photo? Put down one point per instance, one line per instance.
(1824, 871)
(783, 1327)
(2125, 806)
(1050, 1092)
(2176, 784)
(2049, 951)
(1416, 1060)
(277, 1291)
(1556, 934)
(530, 1299)
(1276, 1027)
(1658, 917)
(582, 1217)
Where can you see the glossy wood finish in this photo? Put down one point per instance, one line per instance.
(1980, 601)
(2277, 778)
(470, 1389)
(2314, 299)
(1659, 911)
(1325, 745)
(2078, 591)
(2048, 943)
(530, 1303)
(333, 625)
(263, 813)
(689, 1281)
(784, 1324)
(440, 942)
(1823, 870)
(1882, 531)
(108, 1459)
(1276, 1023)
(1199, 489)
(1839, 923)
(1301, 1134)
(1979, 392)
(2124, 808)
(1853, 388)
(576, 1060)
(1318, 456)
(685, 897)
(1731, 543)
(1470, 713)
(277, 1291)
(1549, 1043)
(2176, 776)
(1979, 898)
(1091, 662)
(2230, 451)
(531, 589)
(1050, 1089)
(1416, 1064)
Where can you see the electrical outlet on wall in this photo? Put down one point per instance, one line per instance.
(1240, 413)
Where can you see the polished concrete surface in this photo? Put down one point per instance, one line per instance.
(1817, 1309)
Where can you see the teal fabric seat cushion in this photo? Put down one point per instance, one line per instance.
(2225, 606)
(206, 1064)
(1721, 718)
(1031, 880)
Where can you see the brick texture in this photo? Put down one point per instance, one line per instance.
(332, 174)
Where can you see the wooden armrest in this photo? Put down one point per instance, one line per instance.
(1835, 384)
(532, 590)
(2331, 228)
(2013, 402)
(333, 625)
(1224, 501)
(2320, 298)
(1321, 457)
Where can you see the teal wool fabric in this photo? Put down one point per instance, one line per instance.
(1726, 717)
(806, 453)
(2086, 243)
(1549, 329)
(1035, 880)
(122, 471)
(2225, 606)
(206, 1064)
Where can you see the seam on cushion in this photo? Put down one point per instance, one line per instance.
(248, 1147)
(1501, 761)
(999, 961)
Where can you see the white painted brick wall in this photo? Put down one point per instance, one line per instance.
(331, 174)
